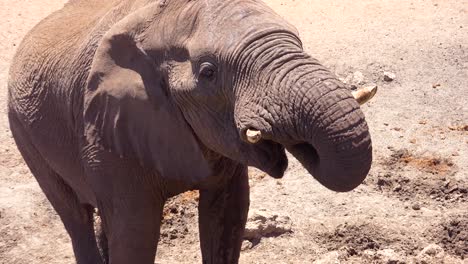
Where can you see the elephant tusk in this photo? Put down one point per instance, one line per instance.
(253, 136)
(364, 94)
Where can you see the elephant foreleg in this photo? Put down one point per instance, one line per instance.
(133, 230)
(222, 218)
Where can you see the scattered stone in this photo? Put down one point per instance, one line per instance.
(453, 189)
(416, 207)
(265, 224)
(246, 245)
(389, 256)
(432, 250)
(354, 80)
(347, 252)
(389, 76)
(397, 188)
(358, 78)
(329, 258)
(432, 254)
(382, 182)
(369, 252)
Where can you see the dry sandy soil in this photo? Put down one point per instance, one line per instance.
(412, 208)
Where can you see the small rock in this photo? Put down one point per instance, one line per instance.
(435, 85)
(397, 188)
(454, 222)
(389, 256)
(354, 80)
(416, 207)
(329, 258)
(381, 182)
(343, 80)
(358, 78)
(389, 76)
(453, 189)
(447, 184)
(173, 210)
(431, 250)
(246, 245)
(432, 254)
(347, 251)
(265, 224)
(369, 252)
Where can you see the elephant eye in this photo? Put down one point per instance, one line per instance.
(207, 71)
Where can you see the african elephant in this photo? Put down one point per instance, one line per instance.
(122, 104)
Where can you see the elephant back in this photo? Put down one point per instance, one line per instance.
(53, 60)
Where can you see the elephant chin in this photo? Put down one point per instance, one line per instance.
(271, 158)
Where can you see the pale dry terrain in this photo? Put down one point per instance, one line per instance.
(415, 196)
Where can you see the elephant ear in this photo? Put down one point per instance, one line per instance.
(129, 112)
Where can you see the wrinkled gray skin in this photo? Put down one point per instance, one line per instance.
(119, 105)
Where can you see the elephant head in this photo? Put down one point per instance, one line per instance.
(176, 83)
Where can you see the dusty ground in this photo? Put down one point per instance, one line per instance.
(416, 193)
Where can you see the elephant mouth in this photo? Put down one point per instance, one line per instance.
(273, 159)
(307, 155)
(270, 157)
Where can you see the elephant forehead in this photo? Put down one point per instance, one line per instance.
(228, 24)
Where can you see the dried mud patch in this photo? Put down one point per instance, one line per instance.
(366, 239)
(452, 234)
(427, 163)
(424, 177)
(179, 216)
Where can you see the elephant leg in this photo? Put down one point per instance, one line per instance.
(76, 217)
(102, 241)
(132, 229)
(222, 218)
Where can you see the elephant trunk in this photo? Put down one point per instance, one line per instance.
(319, 121)
(334, 142)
